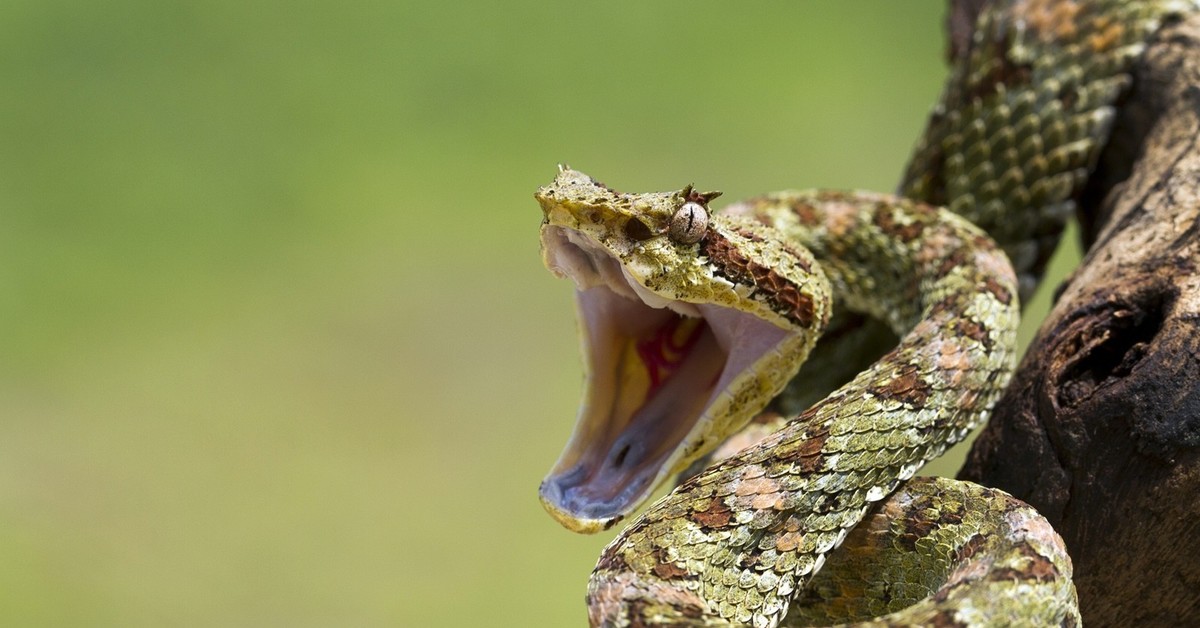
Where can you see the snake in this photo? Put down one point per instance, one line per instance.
(692, 320)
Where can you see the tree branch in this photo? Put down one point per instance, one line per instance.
(1100, 429)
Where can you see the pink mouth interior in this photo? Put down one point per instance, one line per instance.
(654, 367)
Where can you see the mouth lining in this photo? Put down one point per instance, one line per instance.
(655, 367)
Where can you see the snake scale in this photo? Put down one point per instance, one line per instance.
(693, 320)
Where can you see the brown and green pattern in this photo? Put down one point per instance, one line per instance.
(752, 539)
(1025, 113)
(746, 535)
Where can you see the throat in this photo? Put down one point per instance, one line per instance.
(663, 353)
(655, 389)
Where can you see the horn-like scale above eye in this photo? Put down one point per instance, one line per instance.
(689, 224)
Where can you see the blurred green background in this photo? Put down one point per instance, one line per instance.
(278, 348)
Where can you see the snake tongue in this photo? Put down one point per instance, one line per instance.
(652, 372)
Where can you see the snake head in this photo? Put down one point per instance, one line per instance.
(622, 222)
(690, 323)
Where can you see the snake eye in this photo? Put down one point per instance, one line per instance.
(689, 224)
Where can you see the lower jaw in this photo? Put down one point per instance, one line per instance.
(572, 520)
(652, 375)
(612, 464)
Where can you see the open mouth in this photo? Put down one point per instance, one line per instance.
(657, 371)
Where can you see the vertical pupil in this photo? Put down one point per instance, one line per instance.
(688, 224)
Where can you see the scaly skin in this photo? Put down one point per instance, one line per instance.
(1010, 145)
(1025, 114)
(1019, 128)
(944, 553)
(737, 541)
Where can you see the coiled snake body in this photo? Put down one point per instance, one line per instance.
(693, 321)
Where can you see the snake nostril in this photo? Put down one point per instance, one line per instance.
(619, 459)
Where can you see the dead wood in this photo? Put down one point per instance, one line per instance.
(1100, 428)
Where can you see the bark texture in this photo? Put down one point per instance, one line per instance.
(1100, 429)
